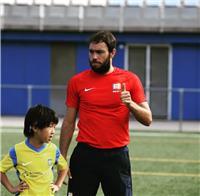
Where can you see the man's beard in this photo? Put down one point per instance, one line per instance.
(104, 68)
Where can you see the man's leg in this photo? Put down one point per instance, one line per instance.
(85, 180)
(116, 178)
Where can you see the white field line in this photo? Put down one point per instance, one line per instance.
(137, 134)
(165, 160)
(166, 134)
(165, 174)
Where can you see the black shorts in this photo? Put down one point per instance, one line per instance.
(91, 167)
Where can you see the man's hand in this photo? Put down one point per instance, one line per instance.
(141, 111)
(69, 174)
(125, 95)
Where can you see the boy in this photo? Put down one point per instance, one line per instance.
(35, 157)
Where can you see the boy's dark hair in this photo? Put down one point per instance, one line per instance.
(38, 117)
(106, 37)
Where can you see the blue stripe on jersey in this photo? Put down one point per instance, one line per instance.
(57, 155)
(13, 156)
(34, 148)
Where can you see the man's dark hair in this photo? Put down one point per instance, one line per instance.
(38, 117)
(106, 37)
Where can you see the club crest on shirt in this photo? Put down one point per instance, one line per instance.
(50, 162)
(116, 87)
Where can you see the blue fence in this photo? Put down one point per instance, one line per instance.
(16, 99)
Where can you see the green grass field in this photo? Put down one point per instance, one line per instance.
(163, 164)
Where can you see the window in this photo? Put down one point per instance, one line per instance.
(151, 64)
(137, 61)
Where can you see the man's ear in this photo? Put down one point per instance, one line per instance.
(112, 54)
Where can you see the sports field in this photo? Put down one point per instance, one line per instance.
(163, 164)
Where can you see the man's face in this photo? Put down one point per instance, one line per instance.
(99, 57)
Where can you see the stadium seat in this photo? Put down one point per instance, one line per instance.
(24, 2)
(42, 2)
(116, 2)
(11, 2)
(138, 3)
(97, 2)
(172, 3)
(60, 2)
(79, 2)
(116, 15)
(154, 3)
(192, 3)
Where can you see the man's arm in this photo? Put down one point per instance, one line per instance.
(141, 111)
(67, 130)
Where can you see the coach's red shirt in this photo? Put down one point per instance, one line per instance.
(103, 118)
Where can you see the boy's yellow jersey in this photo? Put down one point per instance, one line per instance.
(34, 166)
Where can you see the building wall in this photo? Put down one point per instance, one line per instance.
(27, 59)
(186, 74)
(24, 63)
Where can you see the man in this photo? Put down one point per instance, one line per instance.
(103, 97)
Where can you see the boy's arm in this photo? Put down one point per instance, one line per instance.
(62, 168)
(6, 182)
(59, 181)
(19, 188)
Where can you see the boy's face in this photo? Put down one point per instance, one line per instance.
(45, 135)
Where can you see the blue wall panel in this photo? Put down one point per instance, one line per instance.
(82, 59)
(24, 63)
(118, 60)
(186, 74)
(26, 60)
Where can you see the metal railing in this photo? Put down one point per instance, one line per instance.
(105, 2)
(29, 89)
(181, 93)
(89, 15)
